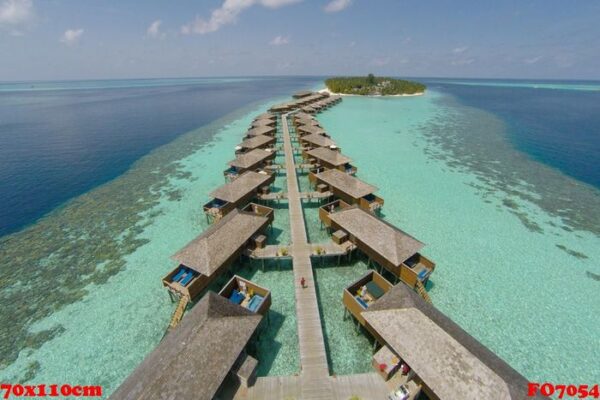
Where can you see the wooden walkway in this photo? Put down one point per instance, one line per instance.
(368, 386)
(313, 358)
(314, 381)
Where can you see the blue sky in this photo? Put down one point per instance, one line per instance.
(75, 39)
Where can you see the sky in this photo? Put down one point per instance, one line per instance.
(106, 39)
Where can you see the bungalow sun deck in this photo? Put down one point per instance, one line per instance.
(386, 245)
(206, 257)
(363, 293)
(247, 294)
(237, 193)
(325, 158)
(348, 188)
(254, 160)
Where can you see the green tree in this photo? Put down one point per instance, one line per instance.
(371, 79)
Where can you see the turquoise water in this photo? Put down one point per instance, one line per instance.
(278, 339)
(501, 272)
(349, 349)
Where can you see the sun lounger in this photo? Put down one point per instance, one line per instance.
(236, 297)
(255, 303)
(361, 302)
(179, 274)
(375, 290)
(187, 278)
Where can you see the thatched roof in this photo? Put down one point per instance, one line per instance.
(343, 182)
(257, 141)
(307, 122)
(251, 158)
(240, 187)
(318, 140)
(261, 130)
(450, 361)
(266, 115)
(308, 109)
(332, 157)
(209, 251)
(302, 114)
(311, 129)
(193, 360)
(302, 93)
(280, 107)
(262, 122)
(386, 240)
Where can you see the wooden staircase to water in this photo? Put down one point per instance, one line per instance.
(421, 290)
(178, 313)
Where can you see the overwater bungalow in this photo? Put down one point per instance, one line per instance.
(444, 361)
(308, 109)
(303, 130)
(266, 115)
(364, 292)
(256, 142)
(282, 108)
(315, 140)
(198, 359)
(237, 193)
(386, 245)
(325, 158)
(306, 122)
(301, 94)
(261, 131)
(263, 122)
(347, 188)
(247, 294)
(206, 257)
(253, 160)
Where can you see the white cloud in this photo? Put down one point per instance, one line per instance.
(15, 14)
(154, 28)
(463, 61)
(532, 60)
(228, 14)
(460, 50)
(337, 5)
(71, 36)
(279, 40)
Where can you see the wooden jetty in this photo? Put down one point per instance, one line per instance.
(205, 357)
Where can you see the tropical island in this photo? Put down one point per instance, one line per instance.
(373, 86)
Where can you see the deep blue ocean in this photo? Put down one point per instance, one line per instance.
(556, 123)
(61, 139)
